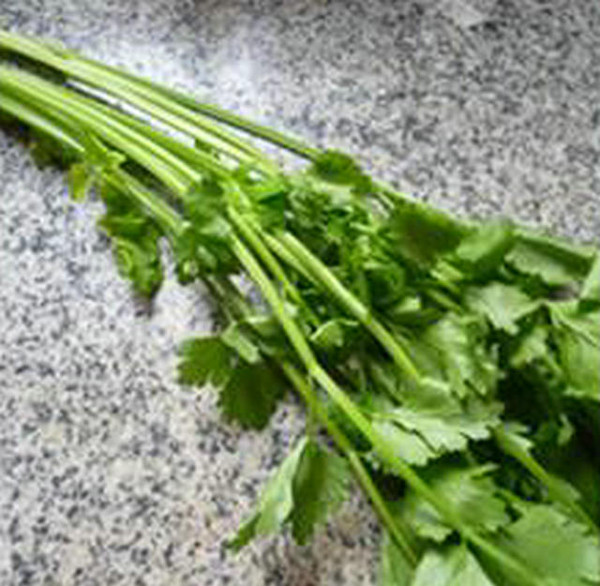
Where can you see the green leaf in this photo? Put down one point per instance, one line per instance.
(204, 360)
(309, 485)
(135, 240)
(139, 262)
(321, 485)
(251, 394)
(408, 446)
(530, 346)
(554, 262)
(450, 566)
(590, 292)
(455, 348)
(470, 491)
(553, 546)
(421, 234)
(482, 252)
(577, 336)
(332, 334)
(276, 502)
(503, 305)
(441, 421)
(337, 167)
(204, 246)
(269, 201)
(328, 335)
(394, 569)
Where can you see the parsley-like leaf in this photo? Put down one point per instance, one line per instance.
(320, 487)
(472, 494)
(251, 394)
(204, 360)
(577, 335)
(590, 291)
(80, 180)
(481, 252)
(438, 420)
(503, 305)
(276, 502)
(548, 259)
(450, 566)
(554, 546)
(453, 348)
(309, 485)
(421, 234)
(530, 346)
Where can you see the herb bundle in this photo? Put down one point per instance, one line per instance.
(450, 368)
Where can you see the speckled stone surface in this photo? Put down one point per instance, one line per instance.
(109, 472)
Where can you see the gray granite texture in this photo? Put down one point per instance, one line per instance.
(109, 472)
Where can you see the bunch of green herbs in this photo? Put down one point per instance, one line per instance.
(450, 369)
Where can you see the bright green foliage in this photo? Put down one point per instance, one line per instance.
(250, 388)
(251, 394)
(431, 422)
(420, 235)
(503, 305)
(590, 291)
(553, 546)
(135, 245)
(321, 485)
(309, 485)
(530, 346)
(450, 566)
(204, 360)
(451, 349)
(455, 365)
(577, 335)
(554, 262)
(276, 502)
(80, 181)
(481, 253)
(472, 492)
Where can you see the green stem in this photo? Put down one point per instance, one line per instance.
(170, 169)
(250, 234)
(294, 145)
(321, 274)
(41, 122)
(144, 96)
(555, 490)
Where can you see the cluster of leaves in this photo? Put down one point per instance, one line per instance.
(468, 355)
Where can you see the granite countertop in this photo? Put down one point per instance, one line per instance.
(109, 472)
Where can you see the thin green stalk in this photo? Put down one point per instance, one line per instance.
(171, 170)
(294, 145)
(251, 235)
(555, 490)
(31, 117)
(322, 275)
(144, 96)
